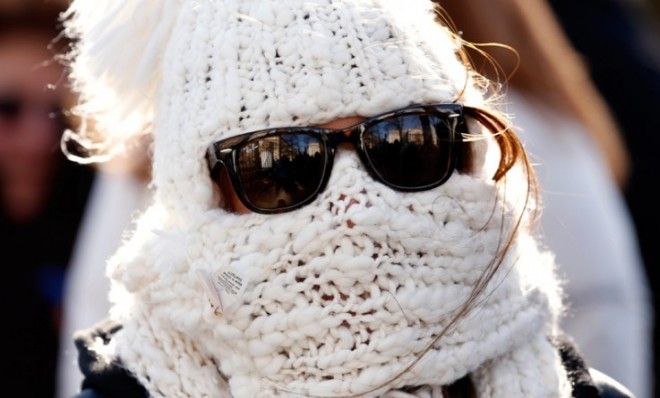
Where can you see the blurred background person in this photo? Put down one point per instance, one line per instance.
(120, 191)
(42, 195)
(581, 162)
(620, 42)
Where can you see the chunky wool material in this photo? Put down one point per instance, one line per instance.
(343, 297)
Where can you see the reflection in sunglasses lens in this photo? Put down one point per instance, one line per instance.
(410, 151)
(282, 170)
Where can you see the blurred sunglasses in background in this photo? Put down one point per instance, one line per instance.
(282, 169)
(13, 107)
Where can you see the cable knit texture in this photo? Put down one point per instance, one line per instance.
(337, 298)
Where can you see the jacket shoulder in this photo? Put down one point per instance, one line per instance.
(104, 377)
(587, 382)
(88, 393)
(608, 387)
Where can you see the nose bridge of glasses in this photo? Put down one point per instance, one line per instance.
(350, 136)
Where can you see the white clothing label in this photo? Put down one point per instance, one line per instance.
(211, 292)
(231, 285)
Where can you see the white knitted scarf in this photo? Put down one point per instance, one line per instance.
(346, 296)
(341, 297)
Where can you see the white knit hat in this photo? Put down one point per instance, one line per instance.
(341, 297)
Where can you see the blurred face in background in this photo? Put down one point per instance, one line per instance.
(31, 96)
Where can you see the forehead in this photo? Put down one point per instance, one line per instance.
(342, 123)
(28, 66)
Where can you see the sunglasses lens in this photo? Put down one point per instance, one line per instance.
(10, 108)
(411, 151)
(281, 171)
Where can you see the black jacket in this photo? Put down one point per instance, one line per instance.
(112, 380)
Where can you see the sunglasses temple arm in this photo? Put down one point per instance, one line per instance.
(212, 158)
(509, 143)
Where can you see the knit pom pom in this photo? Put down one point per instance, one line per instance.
(116, 68)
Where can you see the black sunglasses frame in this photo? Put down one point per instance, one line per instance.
(224, 153)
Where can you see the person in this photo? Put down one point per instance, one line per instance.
(115, 199)
(41, 197)
(579, 158)
(386, 250)
(119, 192)
(595, 28)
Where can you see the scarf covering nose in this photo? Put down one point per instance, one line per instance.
(345, 296)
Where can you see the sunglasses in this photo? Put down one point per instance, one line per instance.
(13, 107)
(282, 169)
